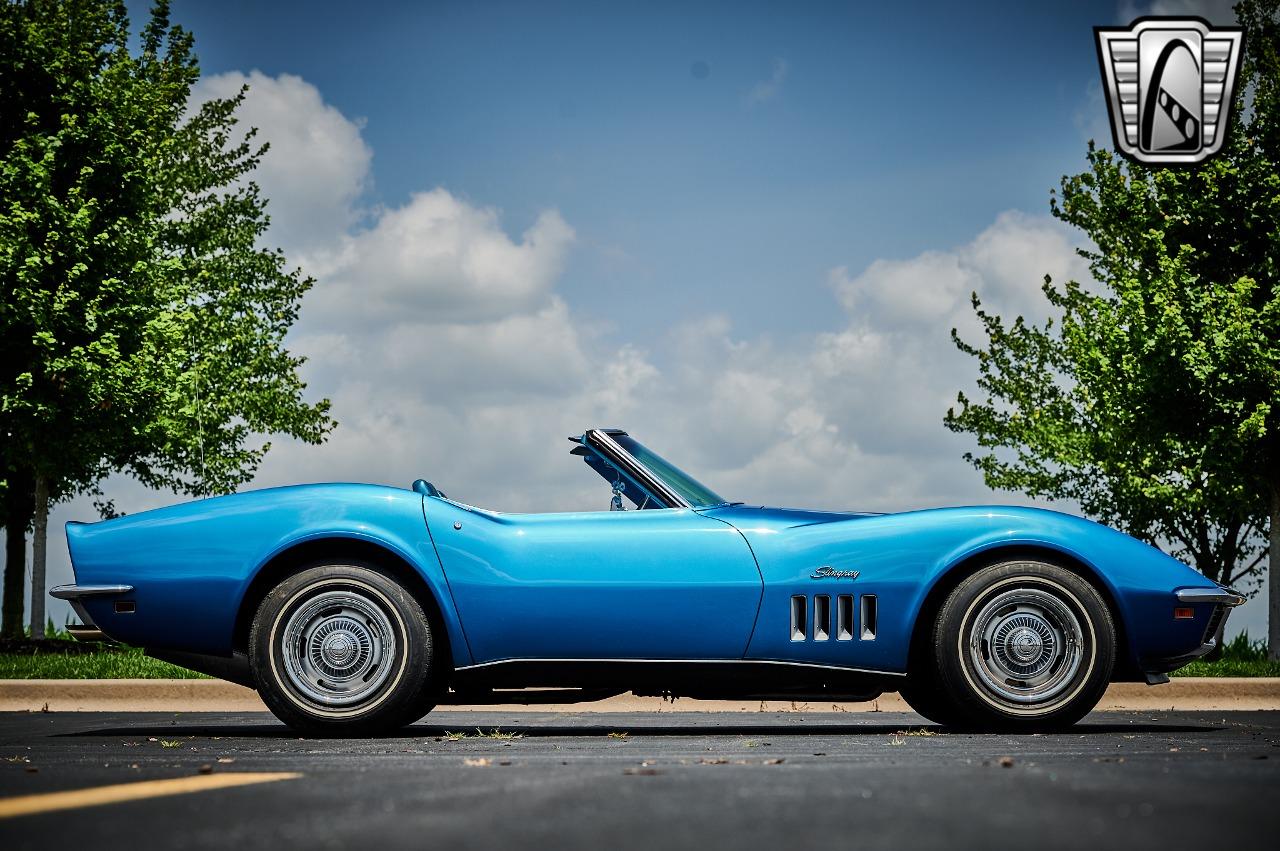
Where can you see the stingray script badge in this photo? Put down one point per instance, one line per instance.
(829, 572)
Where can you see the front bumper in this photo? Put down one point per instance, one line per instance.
(86, 630)
(1223, 596)
(1223, 601)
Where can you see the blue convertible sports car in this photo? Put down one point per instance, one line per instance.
(356, 609)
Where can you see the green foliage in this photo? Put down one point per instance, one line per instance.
(87, 323)
(52, 632)
(1242, 648)
(134, 282)
(1152, 398)
(1241, 657)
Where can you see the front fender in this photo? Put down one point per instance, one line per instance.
(1138, 579)
(902, 558)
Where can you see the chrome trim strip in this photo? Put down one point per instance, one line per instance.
(602, 440)
(71, 592)
(1209, 595)
(83, 632)
(687, 662)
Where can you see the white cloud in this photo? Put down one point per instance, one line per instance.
(318, 163)
(440, 258)
(437, 257)
(767, 90)
(935, 284)
(853, 416)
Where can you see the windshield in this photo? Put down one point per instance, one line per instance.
(694, 492)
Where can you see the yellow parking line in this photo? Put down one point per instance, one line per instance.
(25, 805)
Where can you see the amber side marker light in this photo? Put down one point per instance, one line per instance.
(1184, 614)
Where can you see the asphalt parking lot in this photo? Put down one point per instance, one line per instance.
(641, 780)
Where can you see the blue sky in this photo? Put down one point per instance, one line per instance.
(893, 128)
(743, 232)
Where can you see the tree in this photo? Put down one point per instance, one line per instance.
(142, 328)
(1153, 400)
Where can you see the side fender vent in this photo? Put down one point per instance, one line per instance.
(844, 617)
(799, 608)
(821, 617)
(868, 617)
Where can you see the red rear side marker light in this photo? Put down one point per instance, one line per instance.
(1183, 614)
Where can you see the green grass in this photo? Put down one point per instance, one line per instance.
(61, 657)
(1241, 657)
(1228, 668)
(129, 663)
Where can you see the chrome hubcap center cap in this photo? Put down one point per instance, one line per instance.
(340, 645)
(338, 649)
(1024, 644)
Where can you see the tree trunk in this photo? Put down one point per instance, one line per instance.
(1273, 578)
(39, 541)
(18, 505)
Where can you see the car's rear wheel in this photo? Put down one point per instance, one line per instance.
(1022, 645)
(343, 649)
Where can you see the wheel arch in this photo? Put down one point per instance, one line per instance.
(949, 578)
(336, 549)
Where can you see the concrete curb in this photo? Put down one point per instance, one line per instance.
(1183, 693)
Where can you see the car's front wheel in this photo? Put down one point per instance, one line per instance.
(343, 649)
(1021, 645)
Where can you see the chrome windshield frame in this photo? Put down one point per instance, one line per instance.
(602, 441)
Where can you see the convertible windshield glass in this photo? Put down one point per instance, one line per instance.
(695, 492)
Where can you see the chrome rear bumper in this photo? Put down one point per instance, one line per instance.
(87, 630)
(75, 592)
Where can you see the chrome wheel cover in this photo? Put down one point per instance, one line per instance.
(1025, 645)
(338, 648)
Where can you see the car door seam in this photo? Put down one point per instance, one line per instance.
(462, 626)
(760, 602)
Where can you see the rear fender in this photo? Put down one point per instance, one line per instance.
(192, 565)
(376, 545)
